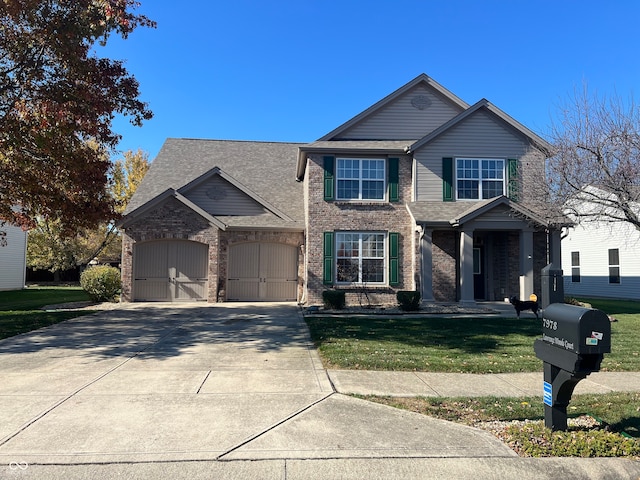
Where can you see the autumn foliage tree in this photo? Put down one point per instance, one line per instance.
(56, 94)
(49, 248)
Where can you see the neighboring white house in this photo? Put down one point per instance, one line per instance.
(601, 259)
(13, 257)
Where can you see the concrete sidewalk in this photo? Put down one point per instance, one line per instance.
(232, 391)
(426, 384)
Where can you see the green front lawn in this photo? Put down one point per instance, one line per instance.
(470, 345)
(20, 309)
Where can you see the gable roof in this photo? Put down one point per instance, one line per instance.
(420, 79)
(455, 214)
(262, 170)
(535, 139)
(139, 212)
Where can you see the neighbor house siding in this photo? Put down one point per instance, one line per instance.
(218, 197)
(330, 216)
(593, 241)
(400, 120)
(479, 136)
(13, 252)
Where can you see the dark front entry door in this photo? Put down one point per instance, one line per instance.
(478, 274)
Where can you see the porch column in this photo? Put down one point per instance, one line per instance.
(526, 264)
(466, 268)
(426, 267)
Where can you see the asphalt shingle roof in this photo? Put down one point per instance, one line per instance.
(265, 168)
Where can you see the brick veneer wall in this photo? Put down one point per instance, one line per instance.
(445, 267)
(171, 220)
(323, 216)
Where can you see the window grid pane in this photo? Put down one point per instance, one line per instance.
(480, 178)
(360, 257)
(361, 179)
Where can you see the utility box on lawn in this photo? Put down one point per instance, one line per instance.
(574, 341)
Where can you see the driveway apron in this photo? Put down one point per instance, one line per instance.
(159, 382)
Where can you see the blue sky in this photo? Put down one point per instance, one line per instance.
(290, 70)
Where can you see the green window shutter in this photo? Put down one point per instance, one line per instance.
(394, 267)
(329, 166)
(512, 179)
(327, 274)
(394, 178)
(447, 179)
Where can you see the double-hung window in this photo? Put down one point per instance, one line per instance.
(360, 179)
(614, 265)
(575, 267)
(480, 178)
(360, 257)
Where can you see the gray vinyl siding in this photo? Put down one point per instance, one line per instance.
(400, 120)
(216, 196)
(479, 136)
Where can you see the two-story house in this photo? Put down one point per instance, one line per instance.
(420, 191)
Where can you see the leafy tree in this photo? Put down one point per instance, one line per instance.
(597, 159)
(55, 95)
(49, 248)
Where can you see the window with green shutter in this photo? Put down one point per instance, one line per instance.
(328, 258)
(394, 258)
(447, 179)
(329, 167)
(513, 190)
(394, 179)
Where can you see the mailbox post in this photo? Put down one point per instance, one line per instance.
(574, 341)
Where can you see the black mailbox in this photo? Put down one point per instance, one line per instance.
(579, 330)
(574, 341)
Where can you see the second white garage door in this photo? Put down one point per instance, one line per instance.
(265, 272)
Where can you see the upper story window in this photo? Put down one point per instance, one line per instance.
(480, 178)
(360, 179)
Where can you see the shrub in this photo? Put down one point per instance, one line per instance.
(101, 282)
(408, 300)
(334, 299)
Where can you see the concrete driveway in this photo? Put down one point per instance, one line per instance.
(196, 382)
(232, 391)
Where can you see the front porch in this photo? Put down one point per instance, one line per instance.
(490, 252)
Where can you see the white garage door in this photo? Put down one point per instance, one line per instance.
(263, 272)
(170, 271)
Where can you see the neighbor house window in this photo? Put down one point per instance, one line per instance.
(360, 257)
(614, 265)
(575, 267)
(479, 179)
(360, 179)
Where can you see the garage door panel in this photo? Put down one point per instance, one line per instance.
(263, 272)
(171, 270)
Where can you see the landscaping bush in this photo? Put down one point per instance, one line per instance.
(101, 282)
(408, 300)
(334, 299)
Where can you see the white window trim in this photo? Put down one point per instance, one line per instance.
(612, 265)
(360, 199)
(480, 159)
(384, 258)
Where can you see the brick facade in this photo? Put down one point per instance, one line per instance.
(329, 216)
(174, 221)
